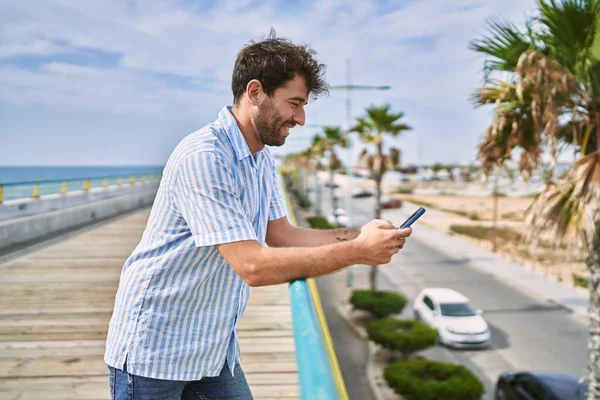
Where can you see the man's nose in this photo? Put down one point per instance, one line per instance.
(300, 117)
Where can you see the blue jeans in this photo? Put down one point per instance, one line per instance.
(125, 386)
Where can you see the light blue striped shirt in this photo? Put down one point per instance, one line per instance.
(179, 302)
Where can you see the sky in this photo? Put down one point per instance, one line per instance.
(112, 82)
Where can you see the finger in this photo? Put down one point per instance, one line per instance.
(384, 224)
(402, 233)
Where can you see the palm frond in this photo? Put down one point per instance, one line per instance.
(503, 46)
(568, 28)
(570, 210)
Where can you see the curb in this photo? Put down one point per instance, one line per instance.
(372, 369)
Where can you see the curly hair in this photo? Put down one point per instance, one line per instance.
(274, 61)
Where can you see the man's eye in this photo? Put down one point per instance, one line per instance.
(294, 104)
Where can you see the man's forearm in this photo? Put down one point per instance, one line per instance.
(281, 265)
(304, 237)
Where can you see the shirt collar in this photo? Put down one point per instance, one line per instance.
(240, 146)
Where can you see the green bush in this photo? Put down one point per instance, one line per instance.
(406, 336)
(433, 380)
(579, 280)
(379, 303)
(319, 223)
(302, 200)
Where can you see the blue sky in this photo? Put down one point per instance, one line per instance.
(108, 82)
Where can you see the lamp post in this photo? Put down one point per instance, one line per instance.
(349, 88)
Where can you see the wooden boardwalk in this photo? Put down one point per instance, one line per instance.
(55, 304)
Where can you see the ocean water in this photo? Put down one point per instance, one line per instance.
(18, 182)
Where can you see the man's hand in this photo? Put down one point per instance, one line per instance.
(380, 240)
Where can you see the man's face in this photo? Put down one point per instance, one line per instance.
(280, 112)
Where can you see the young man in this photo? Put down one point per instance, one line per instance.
(218, 227)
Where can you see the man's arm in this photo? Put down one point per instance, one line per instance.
(280, 233)
(260, 266)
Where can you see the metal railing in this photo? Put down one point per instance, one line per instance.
(35, 189)
(318, 368)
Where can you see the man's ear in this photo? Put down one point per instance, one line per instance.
(254, 91)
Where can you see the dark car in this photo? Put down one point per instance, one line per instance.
(540, 386)
(362, 194)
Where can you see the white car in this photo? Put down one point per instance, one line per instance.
(457, 322)
(339, 218)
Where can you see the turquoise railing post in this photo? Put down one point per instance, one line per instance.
(318, 370)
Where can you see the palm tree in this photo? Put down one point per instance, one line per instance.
(378, 122)
(553, 95)
(332, 138)
(317, 150)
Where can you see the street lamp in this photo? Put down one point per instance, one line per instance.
(349, 88)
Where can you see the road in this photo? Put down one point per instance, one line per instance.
(528, 333)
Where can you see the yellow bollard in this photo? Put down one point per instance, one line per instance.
(132, 180)
(105, 183)
(119, 181)
(36, 191)
(63, 188)
(1, 194)
(87, 184)
(143, 180)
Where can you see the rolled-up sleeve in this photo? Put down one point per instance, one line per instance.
(277, 208)
(206, 194)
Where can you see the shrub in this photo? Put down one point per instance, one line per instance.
(406, 336)
(319, 223)
(303, 201)
(579, 280)
(433, 380)
(379, 303)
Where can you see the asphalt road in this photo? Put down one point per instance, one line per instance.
(528, 333)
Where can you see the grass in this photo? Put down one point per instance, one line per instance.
(473, 216)
(404, 190)
(486, 232)
(512, 216)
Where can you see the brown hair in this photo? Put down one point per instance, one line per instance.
(274, 61)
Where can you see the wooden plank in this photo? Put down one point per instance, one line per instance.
(54, 320)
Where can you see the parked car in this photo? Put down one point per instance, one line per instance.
(388, 202)
(339, 218)
(450, 312)
(540, 385)
(362, 193)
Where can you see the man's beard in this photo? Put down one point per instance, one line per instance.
(269, 124)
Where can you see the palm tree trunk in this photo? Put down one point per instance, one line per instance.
(378, 178)
(593, 265)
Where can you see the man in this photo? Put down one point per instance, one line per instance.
(217, 227)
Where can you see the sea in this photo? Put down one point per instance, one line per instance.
(18, 182)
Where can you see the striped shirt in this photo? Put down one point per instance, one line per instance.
(179, 302)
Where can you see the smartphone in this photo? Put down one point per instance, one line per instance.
(415, 216)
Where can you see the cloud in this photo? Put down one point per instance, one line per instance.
(173, 59)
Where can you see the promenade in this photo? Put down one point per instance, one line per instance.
(56, 302)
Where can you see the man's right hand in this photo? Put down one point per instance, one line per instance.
(379, 240)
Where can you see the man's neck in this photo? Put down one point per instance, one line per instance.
(244, 121)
